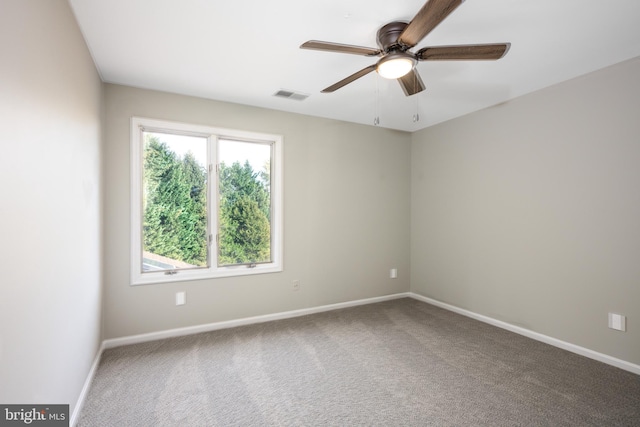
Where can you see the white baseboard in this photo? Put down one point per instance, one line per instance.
(600, 357)
(73, 419)
(153, 336)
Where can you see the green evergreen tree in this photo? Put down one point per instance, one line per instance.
(174, 219)
(245, 216)
(194, 218)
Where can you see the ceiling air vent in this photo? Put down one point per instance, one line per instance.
(289, 94)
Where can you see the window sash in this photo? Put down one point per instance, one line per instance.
(219, 231)
(146, 254)
(213, 135)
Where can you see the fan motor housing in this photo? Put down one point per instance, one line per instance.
(388, 36)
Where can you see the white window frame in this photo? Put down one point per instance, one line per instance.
(138, 277)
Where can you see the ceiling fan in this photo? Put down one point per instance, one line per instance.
(397, 38)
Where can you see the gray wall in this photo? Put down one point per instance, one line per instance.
(50, 204)
(346, 216)
(529, 212)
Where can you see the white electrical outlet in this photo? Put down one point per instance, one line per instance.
(181, 298)
(296, 285)
(393, 273)
(617, 322)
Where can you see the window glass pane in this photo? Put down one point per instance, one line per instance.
(244, 215)
(174, 202)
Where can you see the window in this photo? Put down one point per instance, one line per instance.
(205, 202)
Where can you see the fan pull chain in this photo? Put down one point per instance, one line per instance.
(376, 119)
(416, 116)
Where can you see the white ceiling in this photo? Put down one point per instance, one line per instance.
(243, 51)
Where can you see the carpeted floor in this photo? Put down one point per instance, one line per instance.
(396, 363)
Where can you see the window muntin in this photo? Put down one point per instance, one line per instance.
(195, 207)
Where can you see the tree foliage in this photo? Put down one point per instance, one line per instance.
(175, 209)
(245, 215)
(175, 222)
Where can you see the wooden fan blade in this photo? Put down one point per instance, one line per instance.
(411, 83)
(431, 14)
(349, 79)
(472, 52)
(340, 48)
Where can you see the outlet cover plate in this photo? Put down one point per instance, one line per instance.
(181, 298)
(617, 322)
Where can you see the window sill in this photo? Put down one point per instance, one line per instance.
(188, 275)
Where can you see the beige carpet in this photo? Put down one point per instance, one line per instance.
(396, 363)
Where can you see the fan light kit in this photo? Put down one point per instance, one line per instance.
(395, 65)
(397, 38)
